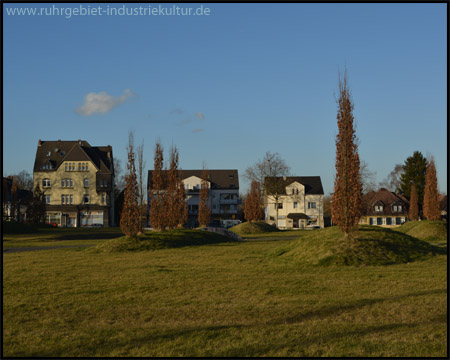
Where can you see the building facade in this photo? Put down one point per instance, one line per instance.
(384, 208)
(78, 183)
(298, 199)
(223, 195)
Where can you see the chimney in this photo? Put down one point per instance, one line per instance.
(109, 154)
(79, 141)
(39, 142)
(59, 140)
(284, 177)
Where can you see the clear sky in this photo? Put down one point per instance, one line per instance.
(229, 86)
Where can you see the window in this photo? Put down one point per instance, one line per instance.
(280, 205)
(388, 221)
(311, 205)
(86, 199)
(71, 199)
(63, 197)
(293, 191)
(47, 199)
(46, 183)
(67, 182)
(379, 221)
(396, 208)
(103, 198)
(86, 183)
(378, 208)
(295, 205)
(49, 153)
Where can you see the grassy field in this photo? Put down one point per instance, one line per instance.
(223, 299)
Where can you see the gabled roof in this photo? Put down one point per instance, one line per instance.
(312, 184)
(219, 179)
(385, 197)
(56, 152)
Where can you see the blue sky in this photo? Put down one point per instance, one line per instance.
(227, 87)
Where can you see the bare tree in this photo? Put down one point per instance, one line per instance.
(23, 180)
(368, 178)
(393, 180)
(271, 165)
(141, 181)
(347, 196)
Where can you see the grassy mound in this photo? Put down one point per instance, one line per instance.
(432, 231)
(162, 240)
(373, 246)
(253, 228)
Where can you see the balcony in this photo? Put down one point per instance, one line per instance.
(227, 211)
(229, 201)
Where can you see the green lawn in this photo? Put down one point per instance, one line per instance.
(226, 299)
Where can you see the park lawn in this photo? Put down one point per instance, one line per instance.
(61, 236)
(229, 299)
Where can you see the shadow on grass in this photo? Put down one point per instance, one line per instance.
(336, 310)
(110, 341)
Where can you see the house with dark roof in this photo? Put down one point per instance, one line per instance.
(78, 182)
(294, 202)
(14, 201)
(223, 197)
(384, 208)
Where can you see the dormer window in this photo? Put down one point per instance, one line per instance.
(378, 208)
(396, 208)
(49, 153)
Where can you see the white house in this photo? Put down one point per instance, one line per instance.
(293, 202)
(223, 197)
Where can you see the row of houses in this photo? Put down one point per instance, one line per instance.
(78, 183)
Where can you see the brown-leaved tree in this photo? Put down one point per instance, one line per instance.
(204, 215)
(253, 210)
(431, 204)
(129, 220)
(413, 204)
(157, 193)
(347, 196)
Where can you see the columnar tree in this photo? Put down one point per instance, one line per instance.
(413, 204)
(204, 215)
(414, 171)
(129, 220)
(157, 193)
(347, 196)
(253, 209)
(179, 197)
(140, 171)
(431, 204)
(176, 199)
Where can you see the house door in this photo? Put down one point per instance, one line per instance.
(295, 224)
(72, 222)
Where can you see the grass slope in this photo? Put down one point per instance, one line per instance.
(161, 240)
(373, 246)
(224, 300)
(432, 231)
(259, 227)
